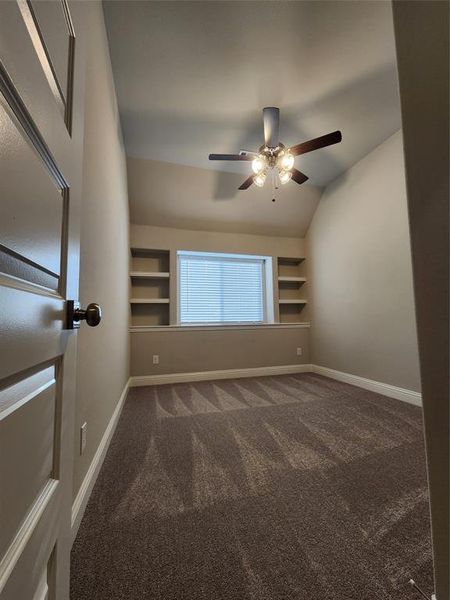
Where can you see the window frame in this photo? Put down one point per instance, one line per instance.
(266, 284)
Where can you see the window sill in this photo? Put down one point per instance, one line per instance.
(147, 328)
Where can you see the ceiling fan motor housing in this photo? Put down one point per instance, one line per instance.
(273, 154)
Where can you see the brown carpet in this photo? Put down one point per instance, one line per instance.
(273, 488)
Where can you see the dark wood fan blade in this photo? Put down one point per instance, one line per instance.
(298, 176)
(316, 143)
(230, 157)
(247, 183)
(271, 120)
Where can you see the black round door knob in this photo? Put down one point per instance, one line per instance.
(92, 315)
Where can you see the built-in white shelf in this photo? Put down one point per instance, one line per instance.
(290, 260)
(292, 279)
(150, 287)
(149, 275)
(175, 328)
(149, 300)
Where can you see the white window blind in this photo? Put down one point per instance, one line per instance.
(219, 288)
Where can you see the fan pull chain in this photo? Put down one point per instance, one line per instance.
(274, 185)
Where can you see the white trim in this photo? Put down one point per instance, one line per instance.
(220, 256)
(149, 300)
(27, 528)
(42, 588)
(378, 387)
(149, 274)
(285, 278)
(81, 500)
(144, 328)
(222, 374)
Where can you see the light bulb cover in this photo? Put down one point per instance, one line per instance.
(286, 161)
(259, 179)
(285, 176)
(259, 164)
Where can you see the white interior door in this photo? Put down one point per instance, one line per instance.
(41, 135)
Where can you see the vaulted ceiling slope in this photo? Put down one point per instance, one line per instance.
(184, 197)
(193, 77)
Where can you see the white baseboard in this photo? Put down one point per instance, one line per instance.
(385, 389)
(81, 500)
(222, 374)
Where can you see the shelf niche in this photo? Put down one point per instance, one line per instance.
(292, 290)
(149, 315)
(292, 313)
(150, 261)
(150, 287)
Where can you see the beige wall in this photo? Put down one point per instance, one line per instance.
(193, 350)
(212, 349)
(214, 241)
(363, 319)
(102, 370)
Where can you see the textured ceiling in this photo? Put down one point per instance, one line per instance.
(192, 78)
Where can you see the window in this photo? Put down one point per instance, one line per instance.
(221, 288)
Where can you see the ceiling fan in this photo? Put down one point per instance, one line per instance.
(274, 157)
